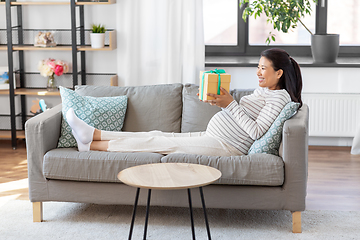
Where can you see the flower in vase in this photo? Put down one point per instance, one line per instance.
(49, 67)
(63, 64)
(58, 70)
(46, 71)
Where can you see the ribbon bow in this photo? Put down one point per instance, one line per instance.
(216, 71)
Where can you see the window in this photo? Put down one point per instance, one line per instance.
(344, 19)
(259, 30)
(222, 29)
(228, 34)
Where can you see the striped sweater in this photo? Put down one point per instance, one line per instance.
(241, 124)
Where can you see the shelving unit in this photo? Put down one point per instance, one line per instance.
(74, 47)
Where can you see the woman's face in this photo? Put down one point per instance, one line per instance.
(268, 77)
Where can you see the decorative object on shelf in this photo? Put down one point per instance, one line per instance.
(51, 67)
(44, 39)
(284, 15)
(4, 78)
(38, 106)
(97, 36)
(35, 108)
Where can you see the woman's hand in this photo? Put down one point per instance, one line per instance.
(220, 100)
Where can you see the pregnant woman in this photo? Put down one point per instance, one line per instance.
(229, 132)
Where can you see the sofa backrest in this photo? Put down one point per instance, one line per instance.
(165, 107)
(155, 107)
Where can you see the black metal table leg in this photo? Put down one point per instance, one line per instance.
(191, 215)
(205, 215)
(147, 213)
(134, 213)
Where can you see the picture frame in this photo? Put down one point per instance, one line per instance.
(4, 78)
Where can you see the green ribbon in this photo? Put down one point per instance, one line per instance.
(216, 71)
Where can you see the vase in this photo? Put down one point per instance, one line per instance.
(325, 47)
(51, 84)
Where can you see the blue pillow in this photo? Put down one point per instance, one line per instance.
(104, 113)
(270, 142)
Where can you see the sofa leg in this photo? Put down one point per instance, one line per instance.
(37, 212)
(296, 222)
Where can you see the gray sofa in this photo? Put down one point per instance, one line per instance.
(257, 181)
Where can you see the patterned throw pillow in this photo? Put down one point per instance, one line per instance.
(104, 113)
(270, 142)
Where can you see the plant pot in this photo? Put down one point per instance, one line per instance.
(97, 40)
(325, 47)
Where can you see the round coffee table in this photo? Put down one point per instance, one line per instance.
(169, 176)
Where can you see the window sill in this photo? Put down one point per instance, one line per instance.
(247, 61)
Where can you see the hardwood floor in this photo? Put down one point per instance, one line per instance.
(13, 171)
(333, 177)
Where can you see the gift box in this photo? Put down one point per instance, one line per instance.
(211, 81)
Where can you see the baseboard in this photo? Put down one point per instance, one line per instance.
(331, 141)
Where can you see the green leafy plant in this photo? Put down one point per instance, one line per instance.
(98, 28)
(282, 14)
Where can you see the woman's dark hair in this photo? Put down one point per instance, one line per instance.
(291, 79)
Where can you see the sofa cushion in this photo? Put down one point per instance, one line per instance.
(94, 166)
(270, 141)
(156, 107)
(256, 169)
(195, 113)
(104, 113)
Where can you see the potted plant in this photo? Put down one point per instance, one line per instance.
(97, 36)
(287, 14)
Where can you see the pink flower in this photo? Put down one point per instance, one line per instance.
(59, 70)
(63, 64)
(51, 64)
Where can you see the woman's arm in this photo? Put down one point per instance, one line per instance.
(256, 128)
(220, 100)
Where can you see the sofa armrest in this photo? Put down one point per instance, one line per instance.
(295, 156)
(42, 133)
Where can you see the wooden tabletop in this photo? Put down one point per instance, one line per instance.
(169, 176)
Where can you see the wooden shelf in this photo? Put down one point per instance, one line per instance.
(3, 47)
(39, 3)
(4, 92)
(31, 91)
(96, 3)
(33, 48)
(59, 3)
(35, 92)
(7, 134)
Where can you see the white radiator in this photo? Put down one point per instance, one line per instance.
(333, 115)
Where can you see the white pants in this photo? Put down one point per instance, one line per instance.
(165, 143)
